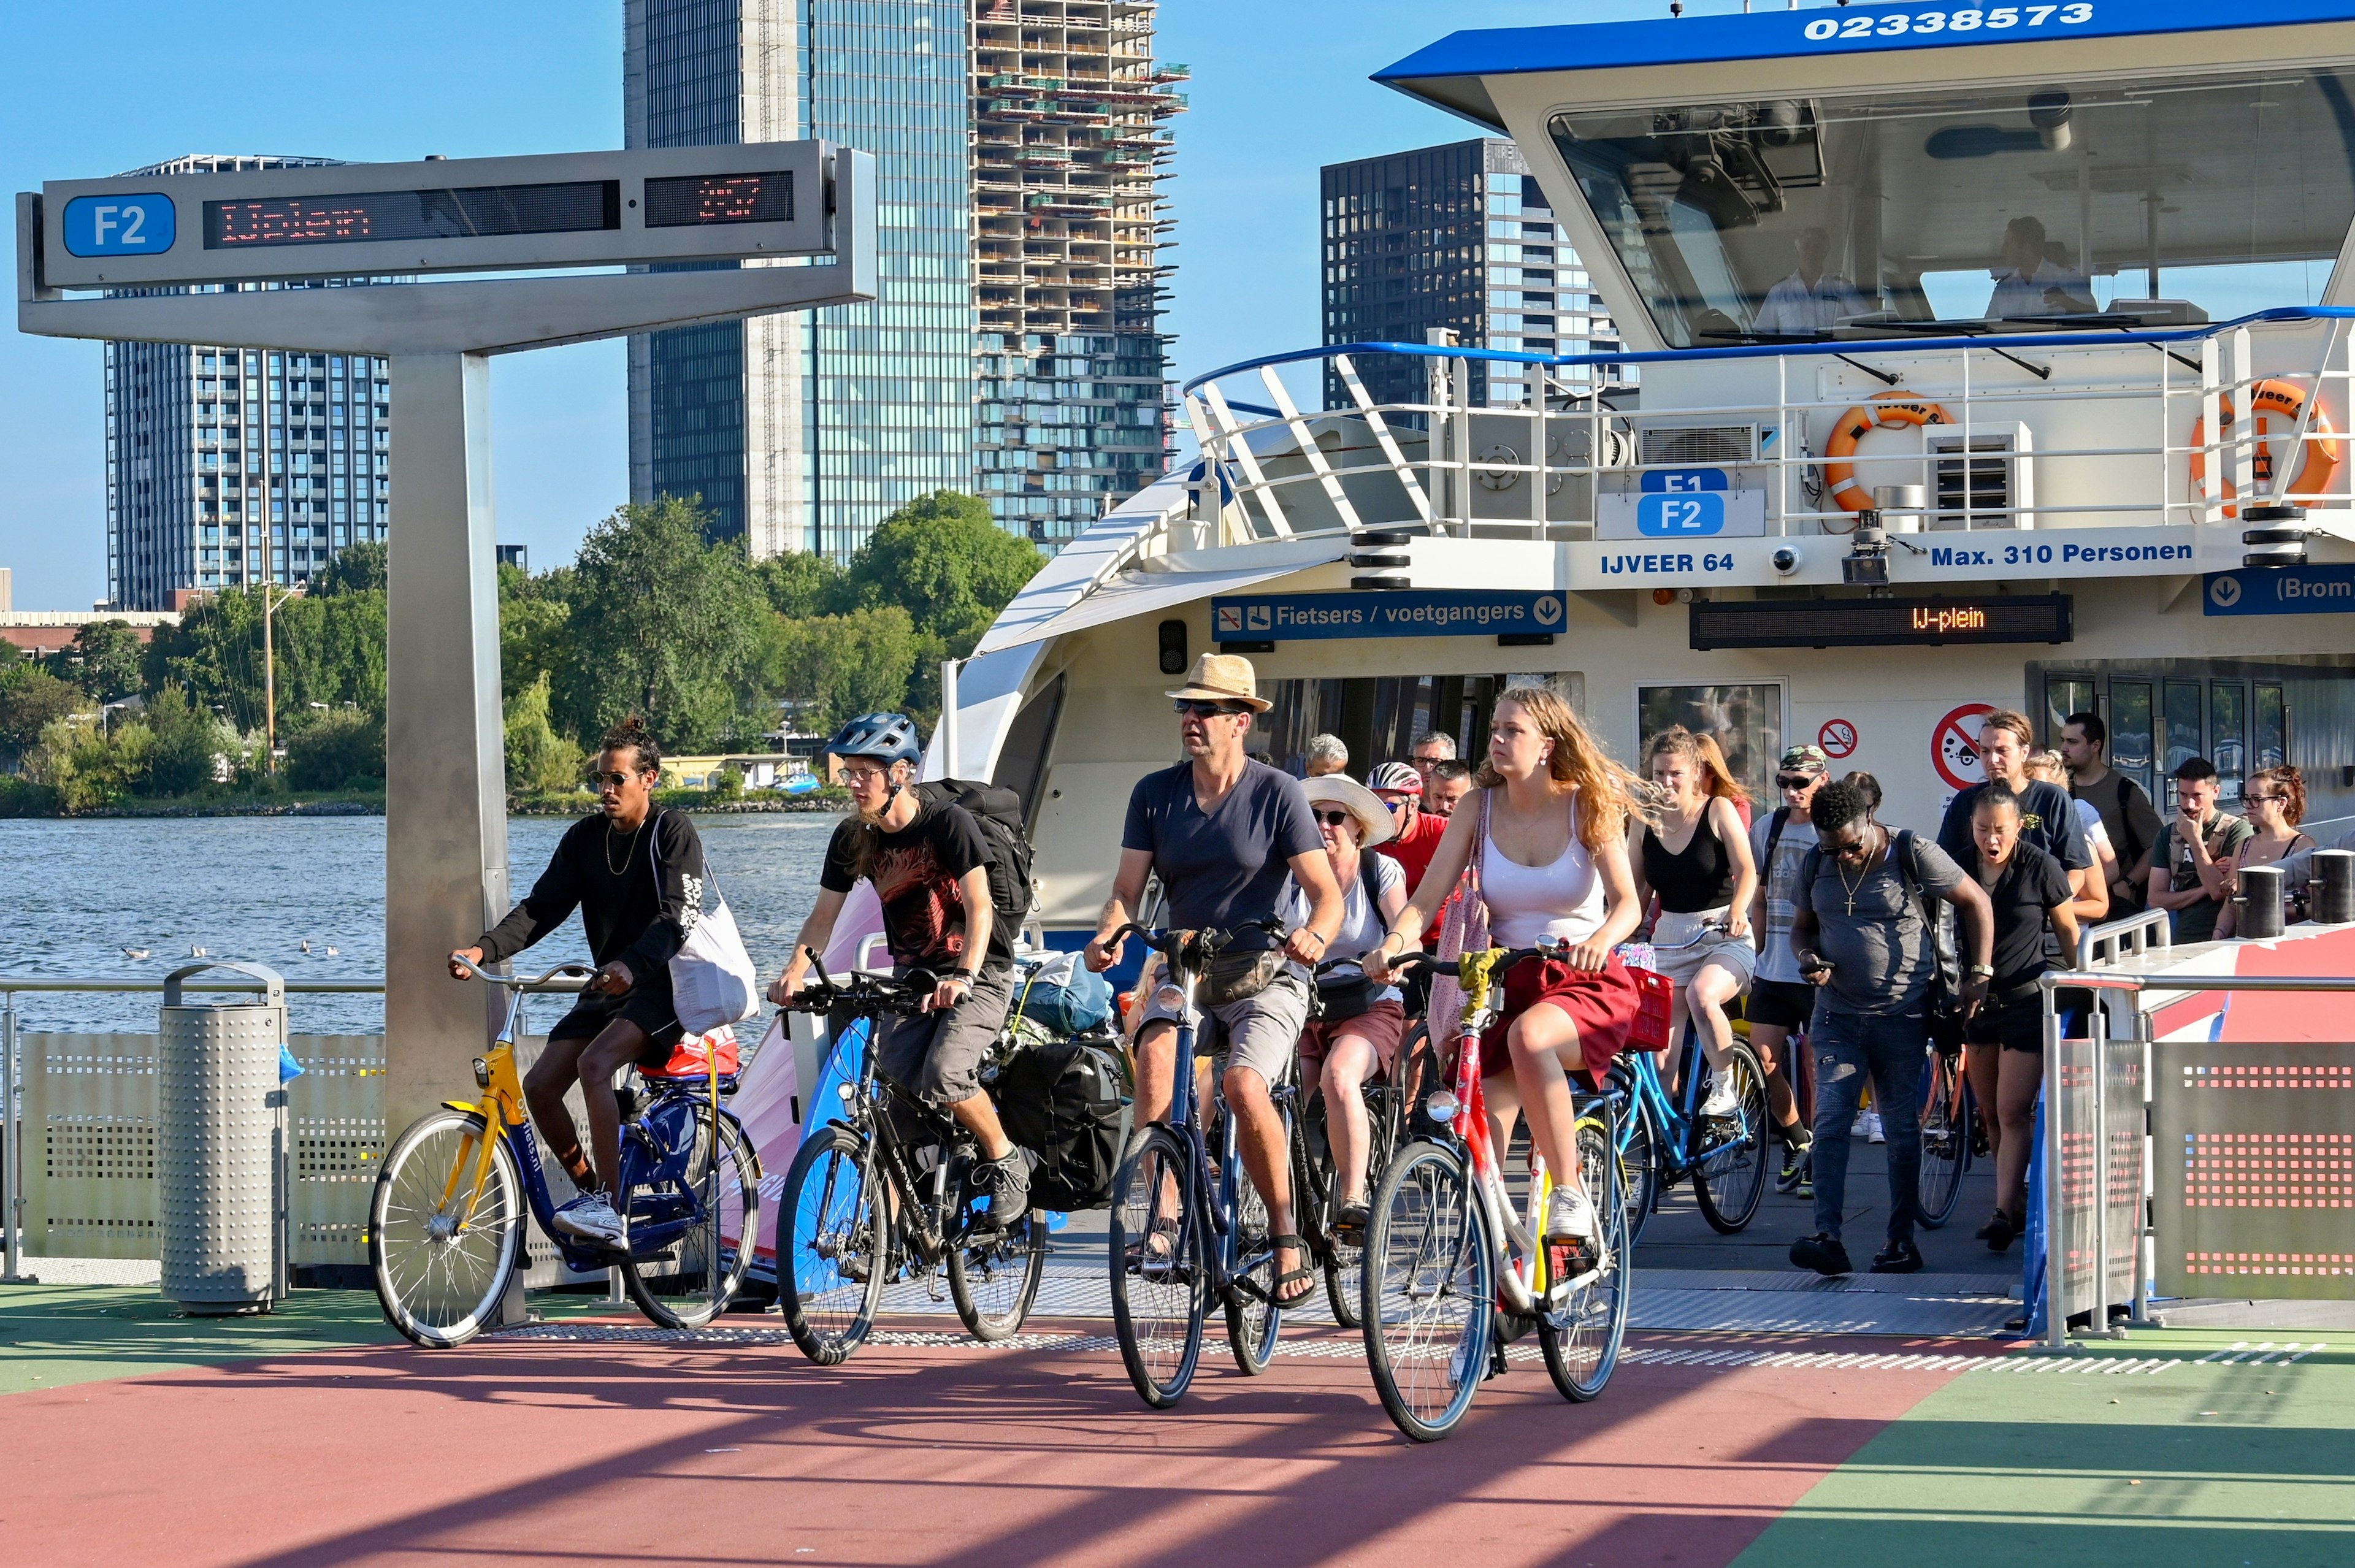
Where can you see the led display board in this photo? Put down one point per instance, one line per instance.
(1881, 622)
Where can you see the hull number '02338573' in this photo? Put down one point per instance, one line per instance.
(1991, 19)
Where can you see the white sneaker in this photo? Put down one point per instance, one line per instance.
(1568, 1213)
(1873, 1132)
(591, 1217)
(1722, 1104)
(1863, 1122)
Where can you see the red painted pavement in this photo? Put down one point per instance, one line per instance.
(544, 1453)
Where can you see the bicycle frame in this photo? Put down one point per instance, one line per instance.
(930, 1237)
(1680, 1129)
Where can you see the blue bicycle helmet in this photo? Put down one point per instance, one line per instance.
(888, 736)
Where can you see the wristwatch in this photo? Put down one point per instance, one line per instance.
(1980, 971)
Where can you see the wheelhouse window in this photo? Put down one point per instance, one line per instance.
(2017, 208)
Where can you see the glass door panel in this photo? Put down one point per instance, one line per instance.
(2064, 695)
(2183, 734)
(2272, 715)
(2228, 738)
(2131, 750)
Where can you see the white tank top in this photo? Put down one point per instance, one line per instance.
(1562, 902)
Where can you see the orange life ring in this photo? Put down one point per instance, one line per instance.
(2312, 479)
(1885, 411)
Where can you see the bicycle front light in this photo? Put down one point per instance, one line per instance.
(1169, 998)
(482, 1074)
(845, 1091)
(1442, 1106)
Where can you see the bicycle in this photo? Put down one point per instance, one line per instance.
(839, 1249)
(1439, 1303)
(446, 1220)
(1184, 1230)
(1949, 1129)
(1663, 1139)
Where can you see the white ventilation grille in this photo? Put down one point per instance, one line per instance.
(1714, 446)
(1988, 487)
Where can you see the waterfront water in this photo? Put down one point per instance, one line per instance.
(257, 888)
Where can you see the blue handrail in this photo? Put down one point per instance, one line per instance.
(1775, 350)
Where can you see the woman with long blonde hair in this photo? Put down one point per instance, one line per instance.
(1549, 834)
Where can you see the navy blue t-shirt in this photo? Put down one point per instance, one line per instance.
(2047, 819)
(1222, 870)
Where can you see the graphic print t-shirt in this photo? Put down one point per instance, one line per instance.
(915, 872)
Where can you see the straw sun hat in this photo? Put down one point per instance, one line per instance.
(1374, 824)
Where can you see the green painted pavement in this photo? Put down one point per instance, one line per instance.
(2199, 1465)
(54, 1336)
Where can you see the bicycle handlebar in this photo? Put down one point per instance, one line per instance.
(863, 992)
(1192, 949)
(1708, 928)
(516, 982)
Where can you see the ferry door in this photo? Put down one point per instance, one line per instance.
(2238, 718)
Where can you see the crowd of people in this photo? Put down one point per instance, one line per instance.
(1847, 949)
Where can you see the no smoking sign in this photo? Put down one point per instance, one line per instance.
(1838, 738)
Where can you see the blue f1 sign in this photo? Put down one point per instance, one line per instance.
(119, 226)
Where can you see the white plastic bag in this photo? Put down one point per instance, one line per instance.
(712, 981)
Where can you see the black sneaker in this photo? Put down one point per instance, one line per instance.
(1821, 1253)
(1007, 1183)
(1797, 1142)
(1897, 1257)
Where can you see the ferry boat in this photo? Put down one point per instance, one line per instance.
(1974, 357)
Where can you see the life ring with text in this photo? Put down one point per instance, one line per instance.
(2281, 400)
(1887, 410)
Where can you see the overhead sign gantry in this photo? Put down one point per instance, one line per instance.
(806, 202)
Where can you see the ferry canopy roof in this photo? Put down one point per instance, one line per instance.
(1890, 169)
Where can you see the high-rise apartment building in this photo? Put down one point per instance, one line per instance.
(1458, 237)
(805, 432)
(207, 447)
(1070, 146)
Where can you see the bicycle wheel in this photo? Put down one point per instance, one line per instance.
(442, 1252)
(837, 1248)
(1945, 1139)
(1730, 1179)
(994, 1279)
(1581, 1339)
(692, 1281)
(1345, 1264)
(1641, 1161)
(1160, 1286)
(1429, 1291)
(1253, 1319)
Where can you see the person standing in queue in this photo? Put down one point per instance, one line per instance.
(1864, 939)
(2276, 802)
(2048, 818)
(637, 876)
(2004, 1041)
(930, 866)
(1551, 831)
(1219, 830)
(2126, 811)
(1780, 1002)
(2189, 870)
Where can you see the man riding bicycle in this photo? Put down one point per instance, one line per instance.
(1220, 831)
(639, 888)
(930, 866)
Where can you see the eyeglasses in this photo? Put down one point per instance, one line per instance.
(864, 775)
(609, 781)
(1797, 781)
(1335, 819)
(2253, 797)
(1207, 709)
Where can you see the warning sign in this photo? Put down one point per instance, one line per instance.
(1955, 748)
(1838, 738)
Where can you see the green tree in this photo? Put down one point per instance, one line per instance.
(341, 749)
(802, 585)
(944, 560)
(31, 698)
(187, 739)
(91, 764)
(103, 659)
(662, 624)
(356, 569)
(538, 759)
(849, 665)
(534, 626)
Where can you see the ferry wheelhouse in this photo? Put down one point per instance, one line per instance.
(1974, 356)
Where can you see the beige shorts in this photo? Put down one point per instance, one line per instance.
(1733, 954)
(1260, 1032)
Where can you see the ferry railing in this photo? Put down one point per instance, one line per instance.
(2082, 1079)
(1278, 473)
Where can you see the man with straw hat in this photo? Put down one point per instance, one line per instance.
(1220, 831)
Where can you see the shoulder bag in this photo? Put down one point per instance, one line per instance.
(712, 981)
(1942, 1003)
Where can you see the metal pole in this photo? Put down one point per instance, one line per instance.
(12, 1198)
(949, 758)
(2147, 1240)
(2056, 1314)
(2099, 1325)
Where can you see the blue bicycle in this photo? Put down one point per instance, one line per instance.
(1183, 1230)
(1663, 1139)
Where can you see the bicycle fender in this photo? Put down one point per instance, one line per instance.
(462, 1106)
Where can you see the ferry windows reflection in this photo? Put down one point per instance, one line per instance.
(2222, 192)
(1746, 721)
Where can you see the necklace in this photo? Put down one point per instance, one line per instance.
(1851, 888)
(628, 850)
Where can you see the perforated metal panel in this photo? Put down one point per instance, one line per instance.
(1712, 445)
(217, 1154)
(90, 1124)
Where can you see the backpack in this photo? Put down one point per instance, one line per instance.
(998, 813)
(1064, 1102)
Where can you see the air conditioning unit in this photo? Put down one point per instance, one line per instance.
(1697, 445)
(1993, 485)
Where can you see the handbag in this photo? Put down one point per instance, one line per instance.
(1465, 929)
(1233, 976)
(1344, 997)
(712, 981)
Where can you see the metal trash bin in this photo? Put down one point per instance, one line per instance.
(219, 1146)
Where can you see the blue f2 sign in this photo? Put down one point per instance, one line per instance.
(119, 226)
(1681, 502)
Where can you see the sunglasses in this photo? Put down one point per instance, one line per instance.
(609, 781)
(1797, 781)
(1856, 851)
(1335, 819)
(1207, 709)
(1400, 803)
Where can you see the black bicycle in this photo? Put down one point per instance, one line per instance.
(886, 1191)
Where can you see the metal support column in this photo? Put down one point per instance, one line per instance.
(2056, 1252)
(12, 1168)
(445, 785)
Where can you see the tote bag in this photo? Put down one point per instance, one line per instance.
(712, 981)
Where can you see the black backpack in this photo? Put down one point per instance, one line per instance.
(1063, 1101)
(998, 813)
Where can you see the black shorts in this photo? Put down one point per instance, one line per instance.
(1780, 1004)
(2015, 1025)
(647, 1004)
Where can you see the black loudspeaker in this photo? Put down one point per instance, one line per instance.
(1173, 647)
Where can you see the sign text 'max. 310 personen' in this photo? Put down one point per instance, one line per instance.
(1438, 613)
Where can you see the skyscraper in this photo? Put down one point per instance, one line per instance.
(1457, 237)
(805, 432)
(205, 446)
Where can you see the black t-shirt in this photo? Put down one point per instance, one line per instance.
(639, 914)
(2022, 889)
(915, 872)
(2127, 815)
(2047, 819)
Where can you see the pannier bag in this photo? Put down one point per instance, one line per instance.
(1064, 1103)
(1062, 994)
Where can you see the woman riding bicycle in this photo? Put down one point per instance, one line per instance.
(1362, 1019)
(1705, 884)
(1549, 834)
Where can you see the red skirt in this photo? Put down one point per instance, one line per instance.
(1602, 1004)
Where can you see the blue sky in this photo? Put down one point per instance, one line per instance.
(1278, 89)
